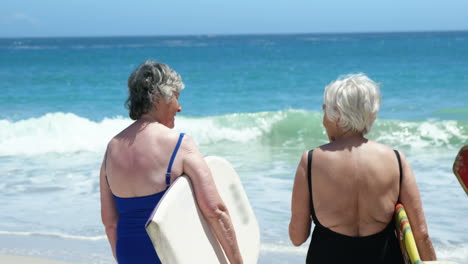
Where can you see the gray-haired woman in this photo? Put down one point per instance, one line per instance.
(350, 186)
(135, 172)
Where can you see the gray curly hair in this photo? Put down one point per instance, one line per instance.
(150, 82)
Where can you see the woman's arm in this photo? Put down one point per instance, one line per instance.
(411, 199)
(109, 214)
(299, 226)
(213, 208)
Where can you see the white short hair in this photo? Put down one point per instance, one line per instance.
(355, 100)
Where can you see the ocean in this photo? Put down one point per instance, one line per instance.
(252, 99)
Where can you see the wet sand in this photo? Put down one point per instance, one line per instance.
(7, 259)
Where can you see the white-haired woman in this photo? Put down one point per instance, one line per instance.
(350, 186)
(142, 161)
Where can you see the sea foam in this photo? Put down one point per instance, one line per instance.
(67, 132)
(57, 132)
(55, 235)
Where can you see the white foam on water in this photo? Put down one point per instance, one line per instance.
(57, 132)
(420, 135)
(285, 249)
(67, 132)
(206, 131)
(56, 235)
(451, 252)
(448, 252)
(34, 47)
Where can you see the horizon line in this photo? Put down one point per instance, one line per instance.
(242, 34)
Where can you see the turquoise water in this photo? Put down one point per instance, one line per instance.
(255, 100)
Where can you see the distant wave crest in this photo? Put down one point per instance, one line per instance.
(19, 45)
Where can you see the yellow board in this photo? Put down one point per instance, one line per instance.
(405, 236)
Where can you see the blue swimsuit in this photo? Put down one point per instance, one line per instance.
(133, 243)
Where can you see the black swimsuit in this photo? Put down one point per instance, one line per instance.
(327, 246)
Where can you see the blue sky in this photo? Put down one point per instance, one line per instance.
(33, 18)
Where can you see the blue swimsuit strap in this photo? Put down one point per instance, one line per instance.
(174, 153)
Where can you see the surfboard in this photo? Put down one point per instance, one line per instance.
(460, 167)
(406, 239)
(405, 236)
(179, 232)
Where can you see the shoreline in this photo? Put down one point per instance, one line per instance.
(54, 250)
(29, 260)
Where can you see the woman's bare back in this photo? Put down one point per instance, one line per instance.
(138, 157)
(355, 186)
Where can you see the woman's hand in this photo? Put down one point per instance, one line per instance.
(411, 199)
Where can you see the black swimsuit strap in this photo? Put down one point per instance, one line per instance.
(309, 180)
(401, 171)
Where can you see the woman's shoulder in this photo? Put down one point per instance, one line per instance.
(379, 147)
(188, 143)
(334, 149)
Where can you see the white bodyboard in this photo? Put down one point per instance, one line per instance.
(179, 232)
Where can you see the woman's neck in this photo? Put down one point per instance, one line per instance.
(346, 135)
(149, 118)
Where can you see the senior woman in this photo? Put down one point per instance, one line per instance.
(142, 161)
(350, 186)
